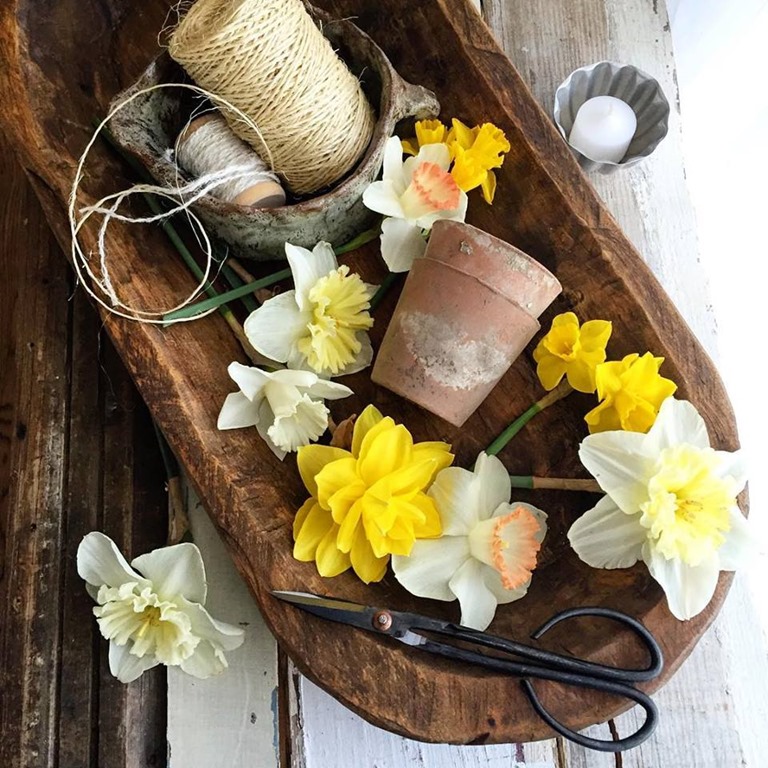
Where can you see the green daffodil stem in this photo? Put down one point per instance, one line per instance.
(558, 393)
(554, 483)
(381, 292)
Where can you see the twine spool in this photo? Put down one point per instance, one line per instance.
(207, 145)
(269, 59)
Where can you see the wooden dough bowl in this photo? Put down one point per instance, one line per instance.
(66, 59)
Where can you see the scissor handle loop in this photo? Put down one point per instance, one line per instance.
(601, 745)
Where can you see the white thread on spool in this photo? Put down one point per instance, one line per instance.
(207, 145)
(100, 285)
(269, 58)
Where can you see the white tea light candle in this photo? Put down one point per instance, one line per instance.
(603, 129)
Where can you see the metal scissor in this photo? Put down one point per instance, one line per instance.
(527, 662)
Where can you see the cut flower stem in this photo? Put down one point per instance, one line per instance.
(555, 483)
(558, 393)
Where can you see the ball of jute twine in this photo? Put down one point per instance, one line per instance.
(269, 59)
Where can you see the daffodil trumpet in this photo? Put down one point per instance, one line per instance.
(561, 390)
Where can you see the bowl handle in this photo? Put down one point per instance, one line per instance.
(411, 100)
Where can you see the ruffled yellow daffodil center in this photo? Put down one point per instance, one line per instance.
(688, 509)
(368, 503)
(153, 626)
(338, 303)
(631, 392)
(572, 351)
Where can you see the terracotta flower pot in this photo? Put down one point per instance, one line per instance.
(468, 309)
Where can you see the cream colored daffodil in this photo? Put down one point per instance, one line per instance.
(285, 406)
(152, 610)
(670, 501)
(369, 502)
(488, 549)
(413, 195)
(321, 325)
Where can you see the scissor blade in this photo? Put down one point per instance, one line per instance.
(343, 611)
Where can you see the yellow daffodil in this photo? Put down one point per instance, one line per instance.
(321, 325)
(489, 547)
(427, 132)
(476, 151)
(631, 392)
(670, 501)
(572, 351)
(370, 502)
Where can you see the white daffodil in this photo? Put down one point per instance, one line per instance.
(414, 194)
(489, 545)
(670, 501)
(321, 325)
(152, 610)
(285, 406)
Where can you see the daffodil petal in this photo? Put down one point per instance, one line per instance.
(363, 358)
(733, 464)
(688, 588)
(328, 390)
(462, 134)
(494, 484)
(739, 546)
(392, 167)
(478, 603)
(410, 146)
(125, 666)
(606, 537)
(311, 460)
(488, 187)
(330, 560)
(438, 451)
(455, 494)
(205, 662)
(176, 570)
(594, 335)
(99, 561)
(295, 378)
(307, 423)
(366, 565)
(431, 565)
(581, 376)
(251, 380)
(401, 244)
(266, 419)
(368, 419)
(337, 476)
(457, 214)
(439, 154)
(550, 370)
(276, 326)
(316, 524)
(431, 526)
(678, 422)
(410, 478)
(492, 579)
(220, 634)
(349, 520)
(301, 515)
(621, 464)
(384, 451)
(383, 197)
(237, 412)
(308, 267)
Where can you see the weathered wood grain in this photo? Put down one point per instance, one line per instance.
(77, 453)
(549, 209)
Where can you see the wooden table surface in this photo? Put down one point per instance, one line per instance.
(77, 453)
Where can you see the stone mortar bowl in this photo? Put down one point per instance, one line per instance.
(147, 128)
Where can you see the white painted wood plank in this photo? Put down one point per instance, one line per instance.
(330, 736)
(229, 721)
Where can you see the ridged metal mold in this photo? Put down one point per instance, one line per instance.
(628, 83)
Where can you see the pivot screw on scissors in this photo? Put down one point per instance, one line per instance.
(527, 662)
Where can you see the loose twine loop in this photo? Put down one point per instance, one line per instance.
(269, 58)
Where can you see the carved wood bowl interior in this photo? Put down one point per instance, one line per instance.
(67, 59)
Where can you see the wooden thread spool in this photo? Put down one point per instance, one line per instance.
(207, 145)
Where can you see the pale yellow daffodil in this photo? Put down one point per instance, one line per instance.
(631, 392)
(670, 501)
(572, 351)
(152, 610)
(367, 503)
(322, 324)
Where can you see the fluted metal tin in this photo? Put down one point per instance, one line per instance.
(628, 83)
